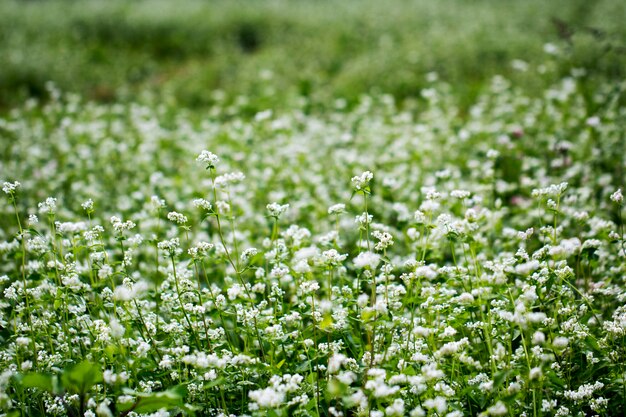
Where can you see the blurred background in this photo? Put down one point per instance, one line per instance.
(265, 53)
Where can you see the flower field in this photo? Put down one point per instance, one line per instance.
(435, 256)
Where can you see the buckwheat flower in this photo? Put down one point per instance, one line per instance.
(465, 298)
(550, 48)
(617, 196)
(598, 404)
(385, 239)
(535, 373)
(157, 203)
(176, 217)
(363, 218)
(208, 158)
(380, 389)
(492, 154)
(368, 260)
(548, 405)
(32, 219)
(222, 206)
(269, 397)
(105, 271)
(439, 404)
(249, 253)
(460, 194)
(202, 203)
(229, 178)
(361, 182)
(10, 187)
(171, 246)
(553, 190)
(166, 362)
(26, 366)
(593, 121)
(538, 338)
(499, 409)
(119, 226)
(417, 412)
(560, 342)
(337, 209)
(276, 210)
(49, 206)
(332, 257)
(103, 409)
(308, 287)
(583, 392)
(279, 272)
(591, 244)
(88, 205)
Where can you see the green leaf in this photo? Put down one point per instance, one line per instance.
(151, 402)
(81, 377)
(38, 380)
(326, 322)
(499, 378)
(304, 366)
(58, 299)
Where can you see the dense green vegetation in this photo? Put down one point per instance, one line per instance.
(273, 50)
(312, 208)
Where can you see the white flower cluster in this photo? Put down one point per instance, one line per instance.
(275, 395)
(276, 210)
(177, 218)
(208, 158)
(120, 226)
(553, 190)
(361, 182)
(229, 178)
(10, 187)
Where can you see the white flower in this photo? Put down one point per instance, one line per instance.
(202, 203)
(593, 121)
(10, 187)
(208, 158)
(87, 205)
(460, 194)
(276, 210)
(384, 239)
(553, 190)
(499, 409)
(269, 397)
(332, 257)
(535, 373)
(360, 182)
(157, 202)
(171, 246)
(337, 209)
(439, 404)
(176, 217)
(49, 206)
(249, 253)
(229, 178)
(617, 196)
(366, 260)
(32, 219)
(560, 342)
(119, 226)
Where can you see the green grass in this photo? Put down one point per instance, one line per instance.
(184, 51)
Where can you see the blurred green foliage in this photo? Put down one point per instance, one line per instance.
(268, 51)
